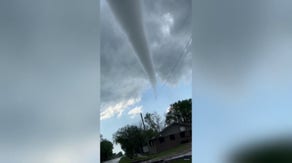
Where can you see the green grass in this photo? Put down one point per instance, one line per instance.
(125, 159)
(172, 151)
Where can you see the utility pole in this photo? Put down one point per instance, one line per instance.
(143, 121)
(148, 145)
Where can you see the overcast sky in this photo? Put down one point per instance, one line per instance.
(125, 87)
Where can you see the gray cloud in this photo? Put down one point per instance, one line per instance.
(168, 29)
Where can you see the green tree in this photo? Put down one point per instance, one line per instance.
(153, 122)
(180, 112)
(131, 138)
(106, 150)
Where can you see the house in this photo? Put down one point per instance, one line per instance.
(170, 137)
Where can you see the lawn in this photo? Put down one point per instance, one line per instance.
(170, 152)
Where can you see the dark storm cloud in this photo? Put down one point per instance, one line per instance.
(168, 29)
(49, 76)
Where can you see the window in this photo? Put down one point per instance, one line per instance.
(161, 140)
(182, 134)
(172, 137)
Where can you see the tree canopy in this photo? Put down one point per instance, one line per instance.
(106, 150)
(154, 122)
(180, 112)
(131, 138)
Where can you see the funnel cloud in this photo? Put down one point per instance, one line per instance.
(129, 15)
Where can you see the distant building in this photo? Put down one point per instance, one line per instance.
(170, 137)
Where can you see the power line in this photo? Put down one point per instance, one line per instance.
(181, 56)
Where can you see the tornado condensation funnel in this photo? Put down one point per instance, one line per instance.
(129, 15)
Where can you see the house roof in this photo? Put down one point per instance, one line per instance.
(171, 125)
(175, 124)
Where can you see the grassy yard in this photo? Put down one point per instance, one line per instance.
(170, 152)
